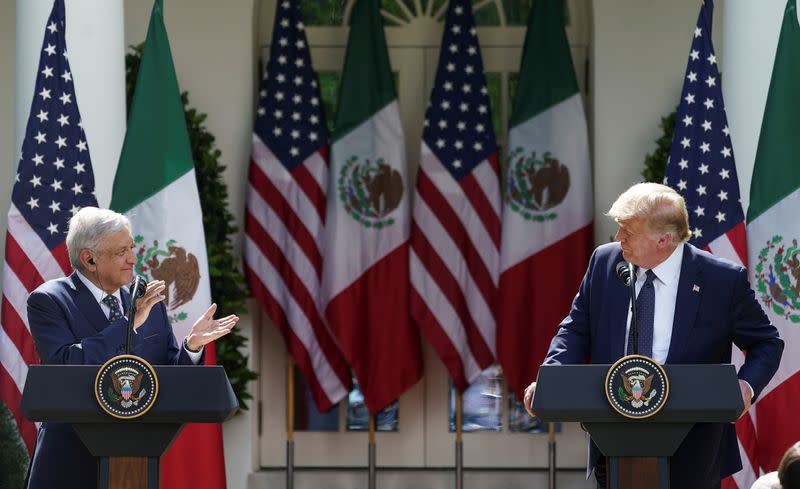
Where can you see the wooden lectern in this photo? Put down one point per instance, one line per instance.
(576, 393)
(129, 450)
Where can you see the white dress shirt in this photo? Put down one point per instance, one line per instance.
(668, 274)
(99, 294)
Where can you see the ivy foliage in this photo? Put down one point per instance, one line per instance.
(13, 455)
(228, 287)
(655, 163)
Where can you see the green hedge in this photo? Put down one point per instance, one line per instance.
(655, 163)
(13, 455)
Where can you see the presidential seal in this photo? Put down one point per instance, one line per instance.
(369, 191)
(637, 386)
(535, 185)
(126, 386)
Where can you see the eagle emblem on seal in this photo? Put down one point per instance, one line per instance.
(636, 385)
(127, 387)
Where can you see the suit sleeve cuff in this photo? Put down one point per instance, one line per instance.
(194, 356)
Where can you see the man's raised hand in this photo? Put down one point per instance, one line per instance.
(152, 296)
(207, 329)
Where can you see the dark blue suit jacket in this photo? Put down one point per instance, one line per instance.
(70, 328)
(706, 324)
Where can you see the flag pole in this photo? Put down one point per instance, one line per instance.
(551, 452)
(289, 422)
(371, 482)
(459, 442)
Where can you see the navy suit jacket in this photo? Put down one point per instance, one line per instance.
(69, 328)
(707, 322)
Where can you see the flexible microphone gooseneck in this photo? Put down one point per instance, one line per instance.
(626, 274)
(137, 291)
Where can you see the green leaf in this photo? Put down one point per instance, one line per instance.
(13, 455)
(655, 163)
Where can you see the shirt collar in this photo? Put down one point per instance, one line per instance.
(669, 270)
(98, 293)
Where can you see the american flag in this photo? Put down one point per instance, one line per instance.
(701, 167)
(455, 234)
(285, 212)
(54, 179)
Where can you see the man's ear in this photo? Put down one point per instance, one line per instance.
(88, 260)
(664, 240)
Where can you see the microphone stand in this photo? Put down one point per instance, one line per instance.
(131, 317)
(137, 290)
(634, 320)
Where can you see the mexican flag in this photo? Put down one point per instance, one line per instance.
(773, 232)
(547, 209)
(365, 284)
(155, 187)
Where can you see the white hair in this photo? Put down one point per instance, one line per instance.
(89, 227)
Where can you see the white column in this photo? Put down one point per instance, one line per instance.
(750, 36)
(639, 54)
(95, 43)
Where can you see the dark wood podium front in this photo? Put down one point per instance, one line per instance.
(186, 394)
(576, 393)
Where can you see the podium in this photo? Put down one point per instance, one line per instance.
(187, 394)
(576, 393)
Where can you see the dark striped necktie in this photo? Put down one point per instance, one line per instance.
(645, 312)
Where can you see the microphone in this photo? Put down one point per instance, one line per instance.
(624, 273)
(137, 290)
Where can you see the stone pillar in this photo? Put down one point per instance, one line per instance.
(750, 33)
(95, 43)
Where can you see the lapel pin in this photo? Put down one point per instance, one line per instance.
(695, 288)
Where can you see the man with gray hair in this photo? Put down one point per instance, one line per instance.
(78, 320)
(702, 305)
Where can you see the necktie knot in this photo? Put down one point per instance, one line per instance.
(113, 304)
(650, 276)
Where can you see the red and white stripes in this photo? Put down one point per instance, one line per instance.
(454, 263)
(28, 263)
(283, 259)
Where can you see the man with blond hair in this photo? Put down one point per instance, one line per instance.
(701, 306)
